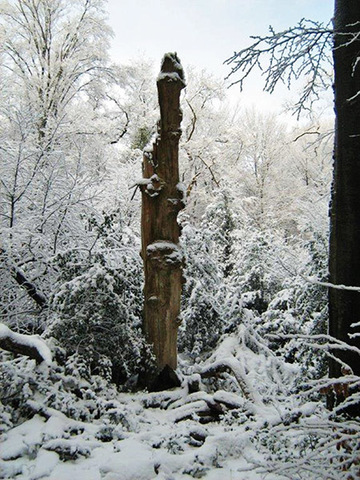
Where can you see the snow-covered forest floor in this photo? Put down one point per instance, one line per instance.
(234, 417)
(144, 443)
(253, 343)
(131, 441)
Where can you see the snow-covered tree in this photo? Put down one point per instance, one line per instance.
(305, 51)
(53, 66)
(202, 322)
(96, 310)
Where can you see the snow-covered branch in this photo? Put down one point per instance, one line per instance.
(331, 285)
(30, 345)
(38, 297)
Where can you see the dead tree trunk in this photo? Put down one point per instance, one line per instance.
(162, 199)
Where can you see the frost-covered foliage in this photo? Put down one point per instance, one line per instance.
(253, 340)
(202, 324)
(233, 415)
(97, 311)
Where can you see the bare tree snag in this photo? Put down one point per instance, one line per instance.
(162, 199)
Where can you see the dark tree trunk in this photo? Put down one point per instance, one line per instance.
(344, 264)
(162, 199)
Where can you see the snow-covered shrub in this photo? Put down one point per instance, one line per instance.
(313, 299)
(97, 313)
(208, 251)
(269, 278)
(27, 389)
(66, 390)
(300, 309)
(201, 312)
(310, 444)
(257, 272)
(219, 220)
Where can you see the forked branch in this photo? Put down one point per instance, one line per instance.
(300, 51)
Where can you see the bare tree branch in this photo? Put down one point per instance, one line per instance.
(300, 51)
(24, 282)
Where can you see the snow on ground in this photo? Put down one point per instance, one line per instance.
(71, 432)
(243, 424)
(145, 444)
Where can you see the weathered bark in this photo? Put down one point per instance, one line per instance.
(162, 199)
(344, 264)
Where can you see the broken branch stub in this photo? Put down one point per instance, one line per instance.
(162, 198)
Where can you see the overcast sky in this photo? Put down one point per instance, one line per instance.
(203, 32)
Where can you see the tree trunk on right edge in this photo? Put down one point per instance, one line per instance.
(344, 262)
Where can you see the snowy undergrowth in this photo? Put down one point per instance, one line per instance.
(235, 416)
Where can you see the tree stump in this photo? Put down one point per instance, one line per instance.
(162, 199)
